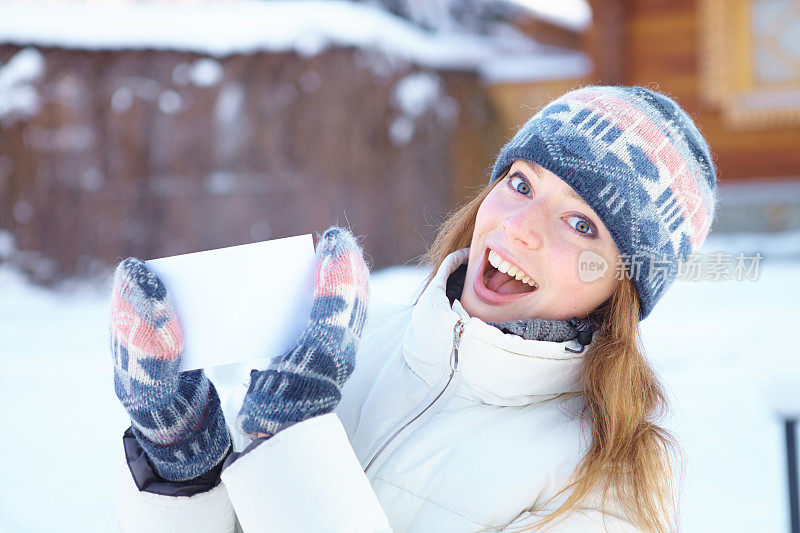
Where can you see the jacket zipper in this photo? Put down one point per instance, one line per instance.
(457, 331)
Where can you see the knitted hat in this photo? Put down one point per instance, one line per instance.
(638, 160)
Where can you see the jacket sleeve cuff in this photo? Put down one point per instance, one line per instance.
(147, 480)
(304, 478)
(142, 510)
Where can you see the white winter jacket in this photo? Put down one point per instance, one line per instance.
(446, 425)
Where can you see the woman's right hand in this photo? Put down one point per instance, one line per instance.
(146, 338)
(176, 417)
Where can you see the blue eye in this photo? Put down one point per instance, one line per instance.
(519, 185)
(583, 226)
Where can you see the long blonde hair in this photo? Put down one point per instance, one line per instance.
(630, 458)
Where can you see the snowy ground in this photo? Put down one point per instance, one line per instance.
(722, 348)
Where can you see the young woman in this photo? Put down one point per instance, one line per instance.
(512, 396)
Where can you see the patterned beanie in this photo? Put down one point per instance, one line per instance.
(638, 160)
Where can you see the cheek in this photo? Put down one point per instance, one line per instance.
(486, 217)
(595, 285)
(480, 219)
(567, 257)
(478, 235)
(572, 286)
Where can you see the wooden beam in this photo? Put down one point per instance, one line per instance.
(606, 41)
(546, 33)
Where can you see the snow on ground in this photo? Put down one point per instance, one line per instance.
(721, 348)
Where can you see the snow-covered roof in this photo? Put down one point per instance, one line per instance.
(574, 15)
(306, 27)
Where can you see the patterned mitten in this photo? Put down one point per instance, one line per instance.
(176, 417)
(307, 381)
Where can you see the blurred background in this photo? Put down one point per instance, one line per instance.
(160, 128)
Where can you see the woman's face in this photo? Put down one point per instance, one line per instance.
(536, 222)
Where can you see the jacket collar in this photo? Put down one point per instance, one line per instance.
(495, 367)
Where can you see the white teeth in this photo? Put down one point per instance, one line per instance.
(507, 268)
(494, 259)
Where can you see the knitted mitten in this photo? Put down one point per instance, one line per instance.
(176, 417)
(307, 381)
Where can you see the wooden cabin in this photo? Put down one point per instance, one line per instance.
(125, 134)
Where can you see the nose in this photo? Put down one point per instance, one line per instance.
(525, 226)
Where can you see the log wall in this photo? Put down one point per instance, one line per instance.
(127, 156)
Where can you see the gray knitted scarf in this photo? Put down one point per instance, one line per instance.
(531, 329)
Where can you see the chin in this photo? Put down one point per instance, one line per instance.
(493, 314)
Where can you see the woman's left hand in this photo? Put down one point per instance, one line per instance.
(307, 381)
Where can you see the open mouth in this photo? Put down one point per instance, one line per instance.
(500, 280)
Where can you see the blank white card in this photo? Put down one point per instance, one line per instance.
(240, 303)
